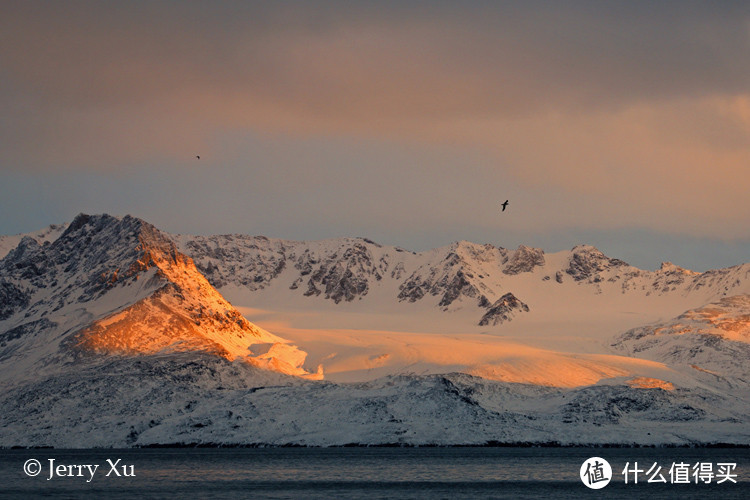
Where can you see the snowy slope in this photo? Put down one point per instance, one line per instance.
(189, 398)
(713, 340)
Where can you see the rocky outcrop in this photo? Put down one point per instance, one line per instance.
(340, 278)
(503, 310)
(524, 260)
(450, 279)
(586, 263)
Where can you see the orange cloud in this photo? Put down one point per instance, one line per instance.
(640, 114)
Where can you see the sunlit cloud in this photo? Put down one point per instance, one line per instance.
(629, 115)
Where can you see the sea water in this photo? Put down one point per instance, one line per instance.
(372, 473)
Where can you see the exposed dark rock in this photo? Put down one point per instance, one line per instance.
(12, 299)
(587, 262)
(524, 260)
(503, 310)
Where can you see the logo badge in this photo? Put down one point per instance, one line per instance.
(596, 473)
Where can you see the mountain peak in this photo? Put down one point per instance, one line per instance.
(43, 237)
(524, 259)
(502, 310)
(26, 247)
(587, 262)
(118, 285)
(668, 267)
(128, 240)
(586, 248)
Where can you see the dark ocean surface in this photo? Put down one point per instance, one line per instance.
(373, 473)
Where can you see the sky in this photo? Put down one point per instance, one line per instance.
(624, 125)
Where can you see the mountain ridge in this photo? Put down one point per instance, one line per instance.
(115, 319)
(462, 274)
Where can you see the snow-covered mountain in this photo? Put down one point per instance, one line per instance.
(342, 299)
(463, 274)
(113, 333)
(48, 234)
(192, 398)
(117, 286)
(713, 340)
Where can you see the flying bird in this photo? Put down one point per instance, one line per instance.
(505, 205)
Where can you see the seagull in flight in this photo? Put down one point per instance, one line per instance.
(505, 205)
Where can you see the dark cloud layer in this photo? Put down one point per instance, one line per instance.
(497, 57)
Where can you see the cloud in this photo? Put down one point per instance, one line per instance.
(351, 58)
(628, 115)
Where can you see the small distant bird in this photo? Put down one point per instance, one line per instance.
(505, 205)
(198, 157)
